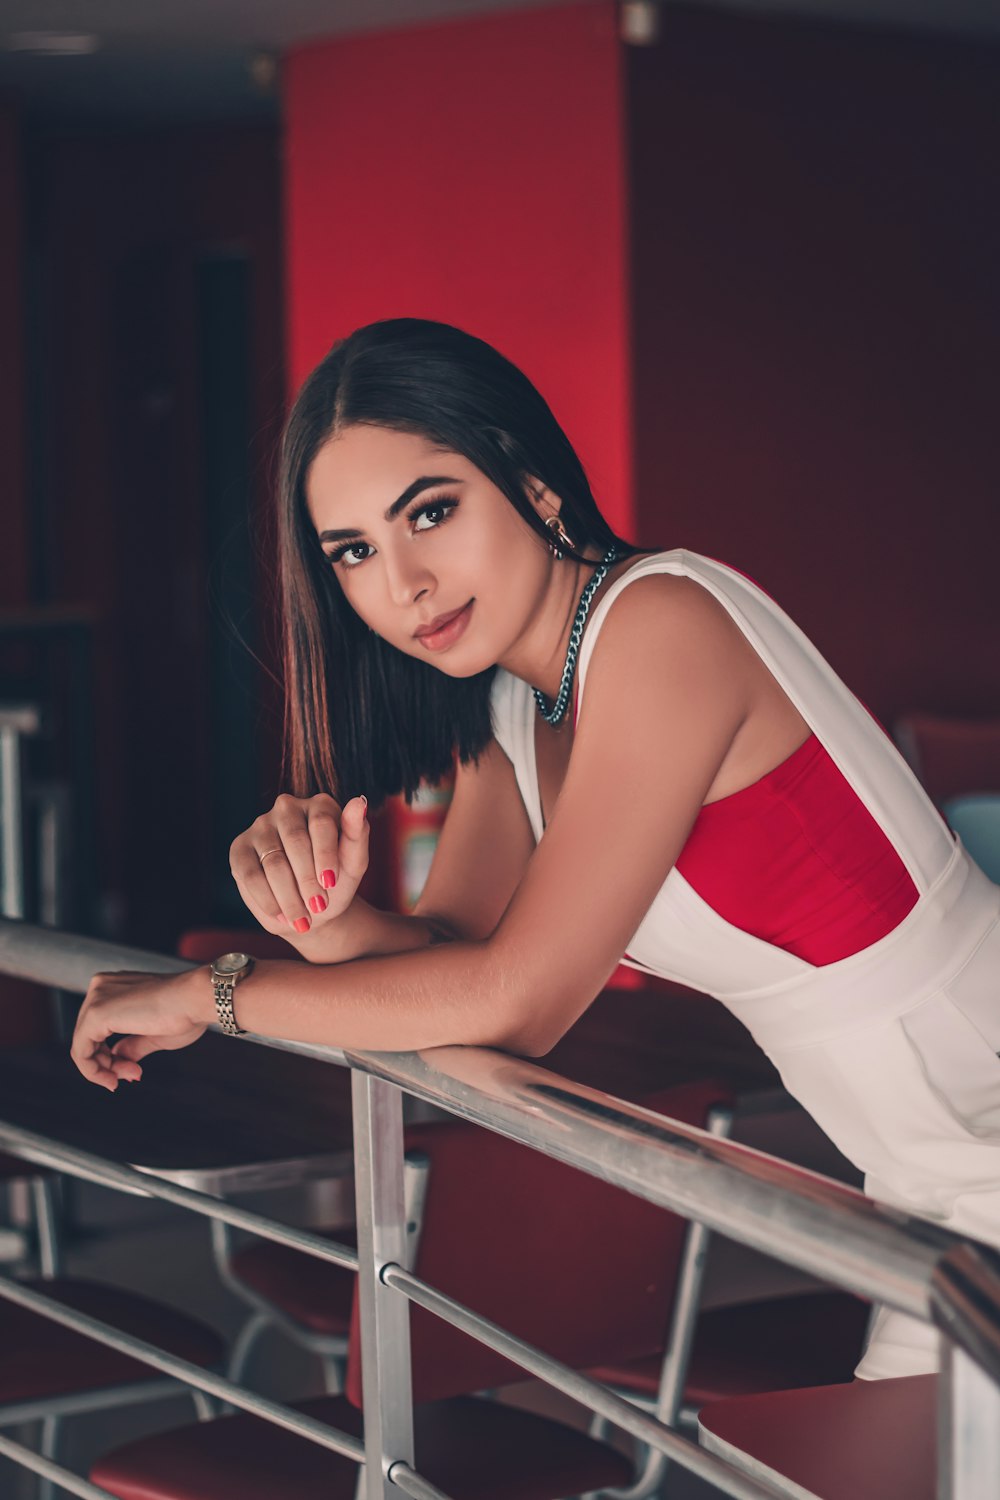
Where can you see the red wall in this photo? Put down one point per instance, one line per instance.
(816, 237)
(14, 561)
(472, 171)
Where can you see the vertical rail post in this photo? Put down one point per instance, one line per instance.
(11, 833)
(968, 1429)
(385, 1313)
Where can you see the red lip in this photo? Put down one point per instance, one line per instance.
(440, 621)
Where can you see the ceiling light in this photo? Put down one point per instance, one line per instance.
(639, 22)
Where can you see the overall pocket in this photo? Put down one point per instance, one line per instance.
(959, 1063)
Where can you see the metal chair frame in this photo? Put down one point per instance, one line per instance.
(329, 1349)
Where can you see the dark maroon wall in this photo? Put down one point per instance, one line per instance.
(121, 222)
(817, 335)
(14, 562)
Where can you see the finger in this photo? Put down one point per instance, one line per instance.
(265, 890)
(354, 834)
(268, 923)
(128, 1050)
(266, 908)
(353, 856)
(90, 1053)
(310, 833)
(285, 892)
(125, 1069)
(293, 879)
(325, 821)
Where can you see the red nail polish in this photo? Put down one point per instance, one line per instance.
(329, 879)
(301, 924)
(317, 904)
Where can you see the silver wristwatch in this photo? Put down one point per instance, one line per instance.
(227, 972)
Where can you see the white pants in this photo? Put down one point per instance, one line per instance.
(935, 1150)
(912, 1097)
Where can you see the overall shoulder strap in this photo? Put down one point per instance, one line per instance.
(855, 741)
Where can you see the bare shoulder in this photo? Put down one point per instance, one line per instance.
(662, 620)
(655, 592)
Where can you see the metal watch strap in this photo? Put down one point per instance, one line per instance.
(223, 987)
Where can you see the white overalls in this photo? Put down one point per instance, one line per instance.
(892, 1050)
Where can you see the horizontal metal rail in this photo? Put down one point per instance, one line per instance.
(183, 1370)
(825, 1228)
(27, 1458)
(580, 1388)
(44, 1152)
(412, 1483)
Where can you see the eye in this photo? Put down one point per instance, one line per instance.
(348, 554)
(435, 514)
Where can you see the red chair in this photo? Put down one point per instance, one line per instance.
(776, 1344)
(870, 1440)
(49, 1373)
(583, 1270)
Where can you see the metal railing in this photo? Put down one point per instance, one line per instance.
(794, 1216)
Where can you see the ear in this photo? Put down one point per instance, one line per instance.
(545, 502)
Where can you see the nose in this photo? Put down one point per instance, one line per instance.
(407, 579)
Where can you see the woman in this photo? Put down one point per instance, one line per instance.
(715, 803)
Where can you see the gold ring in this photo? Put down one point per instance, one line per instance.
(267, 852)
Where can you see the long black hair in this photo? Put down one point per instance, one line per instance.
(360, 715)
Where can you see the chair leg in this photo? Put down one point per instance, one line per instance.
(47, 1227)
(598, 1427)
(206, 1409)
(49, 1448)
(243, 1344)
(333, 1373)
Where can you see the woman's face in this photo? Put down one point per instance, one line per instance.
(418, 537)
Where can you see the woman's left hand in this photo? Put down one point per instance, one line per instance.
(148, 1012)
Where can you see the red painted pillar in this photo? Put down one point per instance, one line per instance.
(473, 171)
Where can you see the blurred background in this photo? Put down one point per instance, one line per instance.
(748, 252)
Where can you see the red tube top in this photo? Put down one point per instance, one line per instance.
(798, 860)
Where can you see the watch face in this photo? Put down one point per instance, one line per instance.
(231, 963)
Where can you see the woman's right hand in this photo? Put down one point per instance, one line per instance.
(315, 853)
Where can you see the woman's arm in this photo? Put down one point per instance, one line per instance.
(669, 687)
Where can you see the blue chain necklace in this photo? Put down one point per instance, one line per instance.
(554, 714)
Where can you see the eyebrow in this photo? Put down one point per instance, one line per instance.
(425, 482)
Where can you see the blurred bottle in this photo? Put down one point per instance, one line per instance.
(412, 835)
